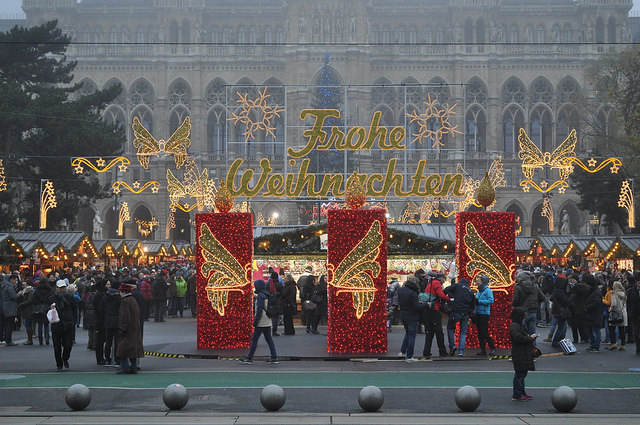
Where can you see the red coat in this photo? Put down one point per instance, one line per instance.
(435, 288)
(145, 290)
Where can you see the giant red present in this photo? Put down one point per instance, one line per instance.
(224, 256)
(357, 265)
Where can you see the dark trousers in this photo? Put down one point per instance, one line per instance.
(482, 324)
(309, 318)
(579, 331)
(636, 333)
(433, 323)
(409, 341)
(160, 307)
(621, 331)
(267, 336)
(9, 326)
(99, 343)
(518, 384)
(288, 320)
(193, 305)
(111, 340)
(178, 306)
(91, 343)
(317, 319)
(146, 306)
(62, 345)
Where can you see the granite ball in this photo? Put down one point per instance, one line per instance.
(272, 397)
(564, 399)
(175, 396)
(77, 397)
(370, 398)
(468, 398)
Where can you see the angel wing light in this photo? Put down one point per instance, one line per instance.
(483, 259)
(356, 271)
(223, 272)
(560, 159)
(148, 146)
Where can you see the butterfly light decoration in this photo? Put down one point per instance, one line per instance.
(148, 146)
(356, 271)
(533, 158)
(223, 272)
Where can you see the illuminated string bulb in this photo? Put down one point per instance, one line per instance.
(3, 183)
(547, 211)
(171, 224)
(256, 107)
(47, 201)
(625, 200)
(427, 131)
(123, 217)
(100, 164)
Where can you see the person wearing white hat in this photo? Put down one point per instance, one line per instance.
(62, 331)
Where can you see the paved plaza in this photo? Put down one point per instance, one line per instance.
(320, 388)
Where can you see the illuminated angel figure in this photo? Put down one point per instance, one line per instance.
(356, 271)
(195, 184)
(148, 146)
(223, 272)
(257, 107)
(560, 159)
(484, 260)
(434, 123)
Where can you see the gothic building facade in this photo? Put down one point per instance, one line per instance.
(504, 64)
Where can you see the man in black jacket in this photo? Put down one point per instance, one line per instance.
(159, 294)
(593, 312)
(410, 312)
(463, 302)
(111, 308)
(62, 331)
(633, 309)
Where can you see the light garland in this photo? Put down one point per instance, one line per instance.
(357, 264)
(148, 146)
(3, 182)
(625, 201)
(145, 228)
(136, 187)
(427, 130)
(259, 107)
(488, 244)
(123, 217)
(171, 224)
(47, 201)
(224, 254)
(547, 211)
(100, 164)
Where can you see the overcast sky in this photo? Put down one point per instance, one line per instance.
(8, 7)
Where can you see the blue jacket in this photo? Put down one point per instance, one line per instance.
(484, 299)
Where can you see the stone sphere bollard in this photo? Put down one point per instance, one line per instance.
(272, 397)
(175, 396)
(77, 397)
(564, 399)
(468, 398)
(370, 398)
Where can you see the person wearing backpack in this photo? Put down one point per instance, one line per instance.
(463, 303)
(484, 300)
(275, 301)
(261, 323)
(432, 317)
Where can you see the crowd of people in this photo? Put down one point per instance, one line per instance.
(111, 306)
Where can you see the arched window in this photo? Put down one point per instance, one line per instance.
(567, 121)
(279, 35)
(214, 34)
(413, 35)
(476, 130)
(113, 35)
(599, 30)
(145, 117)
(173, 31)
(567, 33)
(386, 35)
(468, 31)
(177, 117)
(241, 35)
(540, 130)
(252, 35)
(179, 94)
(480, 31)
(513, 91)
(540, 34)
(217, 132)
(125, 34)
(427, 36)
(440, 35)
(512, 122)
(541, 91)
(514, 36)
(399, 35)
(87, 35)
(528, 34)
(186, 31)
(140, 35)
(612, 30)
(555, 33)
(141, 92)
(268, 35)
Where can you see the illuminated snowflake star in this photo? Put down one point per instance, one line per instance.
(265, 113)
(434, 123)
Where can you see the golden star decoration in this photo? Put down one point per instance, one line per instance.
(525, 188)
(117, 189)
(123, 168)
(544, 184)
(100, 162)
(155, 189)
(136, 185)
(592, 162)
(615, 168)
(562, 189)
(79, 169)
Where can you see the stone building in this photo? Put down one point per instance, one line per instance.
(505, 64)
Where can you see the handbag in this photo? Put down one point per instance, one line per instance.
(446, 307)
(309, 305)
(39, 310)
(565, 313)
(615, 317)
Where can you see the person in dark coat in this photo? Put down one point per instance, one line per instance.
(159, 292)
(41, 304)
(560, 310)
(129, 348)
(89, 317)
(528, 295)
(579, 292)
(25, 306)
(463, 303)
(633, 309)
(261, 323)
(290, 304)
(307, 284)
(100, 336)
(275, 287)
(111, 309)
(521, 353)
(9, 307)
(62, 332)
(433, 318)
(593, 312)
(322, 303)
(410, 313)
(191, 293)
